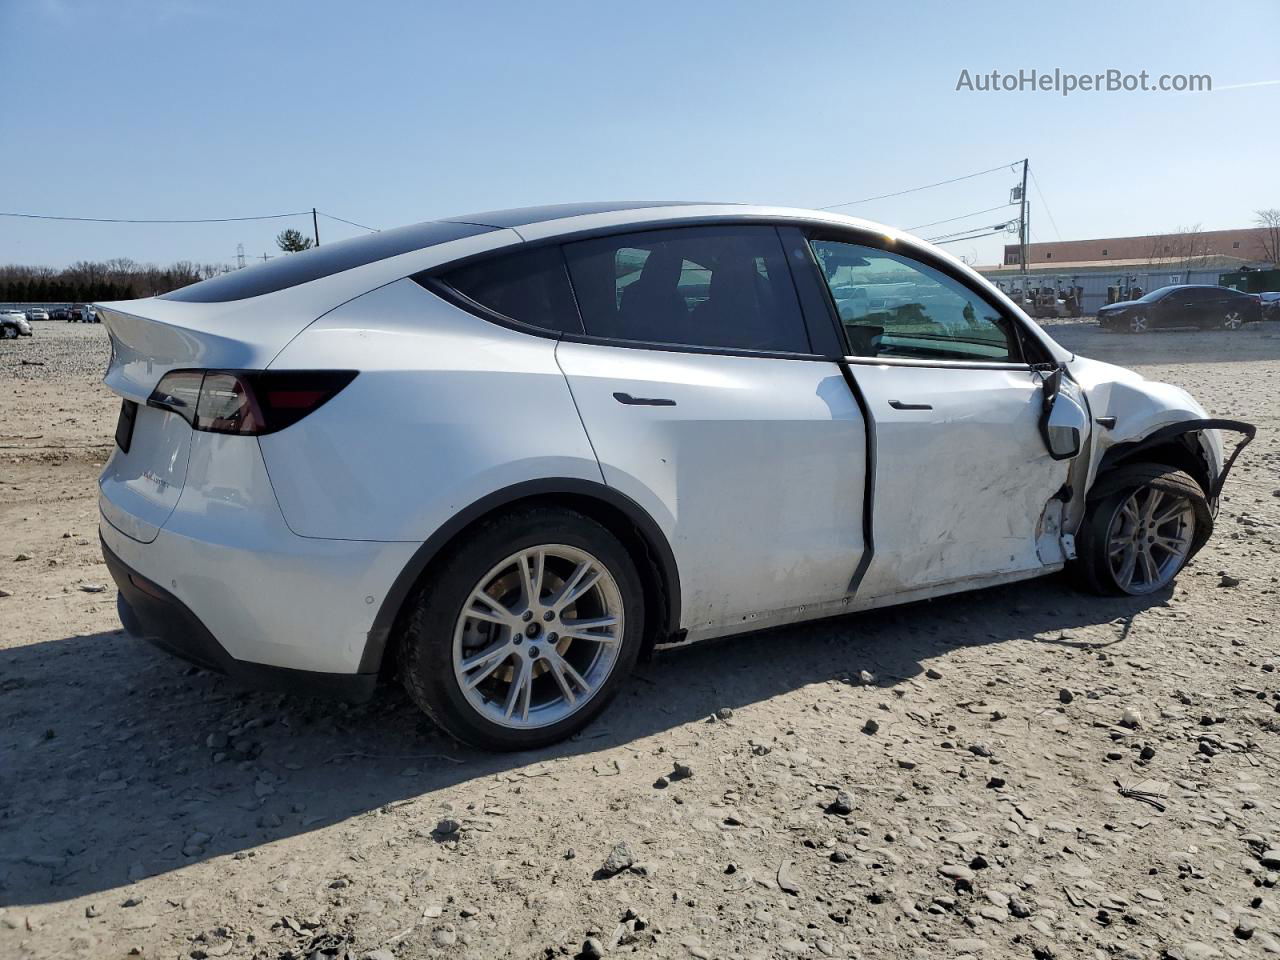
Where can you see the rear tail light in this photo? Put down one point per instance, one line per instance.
(246, 402)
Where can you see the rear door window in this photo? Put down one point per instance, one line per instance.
(719, 287)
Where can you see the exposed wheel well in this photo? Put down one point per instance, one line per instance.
(619, 515)
(1182, 453)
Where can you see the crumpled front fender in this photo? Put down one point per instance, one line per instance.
(1137, 414)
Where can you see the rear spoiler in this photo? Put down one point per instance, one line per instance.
(149, 338)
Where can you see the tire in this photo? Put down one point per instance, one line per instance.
(1233, 320)
(1112, 530)
(1139, 324)
(442, 634)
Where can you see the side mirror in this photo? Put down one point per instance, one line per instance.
(1065, 428)
(1064, 423)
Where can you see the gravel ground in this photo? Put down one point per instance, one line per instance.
(1020, 772)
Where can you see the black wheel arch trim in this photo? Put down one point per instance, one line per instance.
(661, 554)
(1127, 451)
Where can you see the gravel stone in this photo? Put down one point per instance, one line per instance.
(620, 858)
(842, 804)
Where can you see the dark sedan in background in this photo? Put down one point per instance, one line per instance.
(1184, 305)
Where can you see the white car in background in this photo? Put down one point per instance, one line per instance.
(37, 313)
(505, 455)
(13, 323)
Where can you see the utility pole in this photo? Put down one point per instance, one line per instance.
(1023, 225)
(315, 224)
(239, 256)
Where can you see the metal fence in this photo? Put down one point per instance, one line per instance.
(1095, 284)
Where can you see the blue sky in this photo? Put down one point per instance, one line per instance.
(389, 113)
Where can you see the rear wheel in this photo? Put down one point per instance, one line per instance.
(1233, 320)
(526, 630)
(1137, 538)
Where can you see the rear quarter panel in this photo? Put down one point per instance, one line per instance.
(447, 408)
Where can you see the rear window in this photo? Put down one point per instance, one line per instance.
(295, 268)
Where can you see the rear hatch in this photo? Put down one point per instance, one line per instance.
(147, 470)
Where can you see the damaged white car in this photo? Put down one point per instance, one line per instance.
(504, 455)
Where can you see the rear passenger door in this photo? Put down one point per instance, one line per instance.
(707, 403)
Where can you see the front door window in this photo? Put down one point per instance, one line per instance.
(891, 306)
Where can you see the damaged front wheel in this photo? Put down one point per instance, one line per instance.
(1140, 534)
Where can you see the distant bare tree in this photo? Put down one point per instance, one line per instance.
(84, 281)
(1160, 249)
(1188, 245)
(1269, 220)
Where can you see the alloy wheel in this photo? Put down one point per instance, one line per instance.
(1149, 539)
(538, 636)
(1233, 320)
(1138, 324)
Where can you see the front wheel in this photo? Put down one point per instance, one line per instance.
(1138, 324)
(525, 631)
(1139, 535)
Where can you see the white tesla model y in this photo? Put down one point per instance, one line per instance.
(504, 455)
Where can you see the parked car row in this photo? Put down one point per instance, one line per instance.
(74, 313)
(1186, 305)
(80, 313)
(14, 323)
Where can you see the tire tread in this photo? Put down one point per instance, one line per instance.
(1091, 569)
(429, 624)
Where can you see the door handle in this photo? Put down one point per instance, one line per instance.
(899, 405)
(643, 401)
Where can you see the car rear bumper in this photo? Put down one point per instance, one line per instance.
(151, 613)
(268, 596)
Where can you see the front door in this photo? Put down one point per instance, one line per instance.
(962, 478)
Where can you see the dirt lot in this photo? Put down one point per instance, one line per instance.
(150, 808)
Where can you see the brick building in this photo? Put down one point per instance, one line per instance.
(1246, 244)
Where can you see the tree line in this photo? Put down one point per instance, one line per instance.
(89, 280)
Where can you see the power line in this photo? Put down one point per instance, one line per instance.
(42, 216)
(970, 234)
(963, 216)
(268, 216)
(1041, 195)
(927, 186)
(976, 236)
(350, 222)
